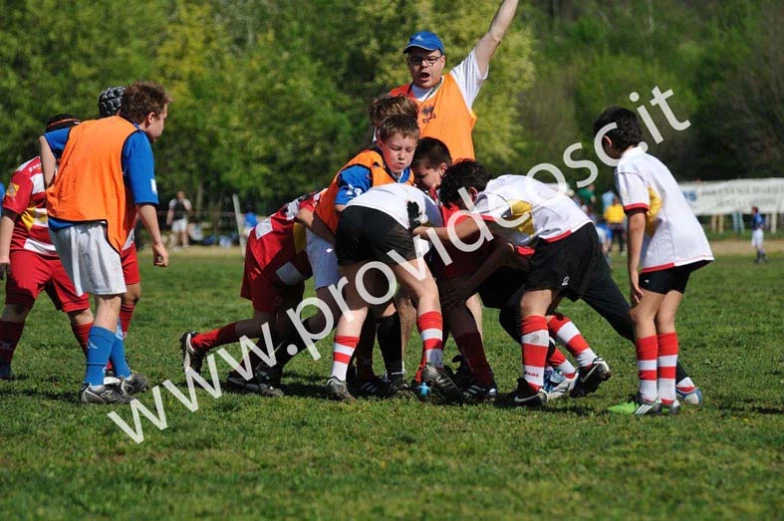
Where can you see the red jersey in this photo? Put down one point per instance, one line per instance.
(26, 196)
(278, 243)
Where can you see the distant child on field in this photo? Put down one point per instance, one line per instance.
(664, 239)
(757, 234)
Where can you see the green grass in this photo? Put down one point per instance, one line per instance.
(302, 457)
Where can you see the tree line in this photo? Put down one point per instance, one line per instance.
(271, 96)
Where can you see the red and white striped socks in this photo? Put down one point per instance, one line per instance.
(342, 351)
(559, 361)
(668, 359)
(431, 329)
(534, 347)
(647, 363)
(566, 333)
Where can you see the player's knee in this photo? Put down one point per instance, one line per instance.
(15, 313)
(81, 317)
(132, 295)
(665, 321)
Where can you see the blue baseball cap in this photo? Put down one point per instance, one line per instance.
(424, 40)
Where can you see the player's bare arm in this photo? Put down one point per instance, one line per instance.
(149, 219)
(6, 231)
(487, 45)
(634, 237)
(461, 230)
(319, 228)
(48, 162)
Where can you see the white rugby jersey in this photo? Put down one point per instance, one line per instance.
(673, 236)
(521, 209)
(402, 202)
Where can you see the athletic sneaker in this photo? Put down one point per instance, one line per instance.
(338, 390)
(591, 377)
(5, 372)
(398, 388)
(462, 375)
(260, 384)
(134, 384)
(438, 378)
(526, 396)
(102, 395)
(191, 358)
(637, 406)
(560, 388)
(375, 386)
(693, 397)
(671, 409)
(477, 393)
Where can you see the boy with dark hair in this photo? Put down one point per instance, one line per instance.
(376, 228)
(109, 102)
(29, 258)
(667, 242)
(106, 176)
(526, 214)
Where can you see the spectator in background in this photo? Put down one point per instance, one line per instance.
(177, 218)
(614, 215)
(757, 234)
(587, 196)
(607, 199)
(2, 190)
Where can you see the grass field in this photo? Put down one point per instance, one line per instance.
(302, 457)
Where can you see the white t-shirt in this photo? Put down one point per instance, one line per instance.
(521, 209)
(402, 202)
(468, 77)
(673, 236)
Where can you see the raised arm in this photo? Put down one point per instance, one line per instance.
(487, 45)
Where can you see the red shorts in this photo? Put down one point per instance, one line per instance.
(31, 273)
(266, 295)
(130, 265)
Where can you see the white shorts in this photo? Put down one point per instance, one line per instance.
(89, 260)
(756, 238)
(180, 225)
(323, 261)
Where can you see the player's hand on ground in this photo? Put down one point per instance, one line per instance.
(635, 293)
(160, 257)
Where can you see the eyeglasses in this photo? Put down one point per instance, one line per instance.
(418, 61)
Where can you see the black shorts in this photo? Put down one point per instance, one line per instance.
(501, 286)
(671, 279)
(366, 234)
(567, 265)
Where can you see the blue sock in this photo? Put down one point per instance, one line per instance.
(99, 347)
(117, 356)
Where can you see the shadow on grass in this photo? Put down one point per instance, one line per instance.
(35, 393)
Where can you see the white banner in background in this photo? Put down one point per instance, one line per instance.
(726, 197)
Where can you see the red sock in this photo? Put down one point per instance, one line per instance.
(667, 360)
(10, 333)
(431, 329)
(647, 352)
(81, 333)
(126, 313)
(558, 360)
(567, 334)
(217, 337)
(342, 350)
(534, 347)
(470, 345)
